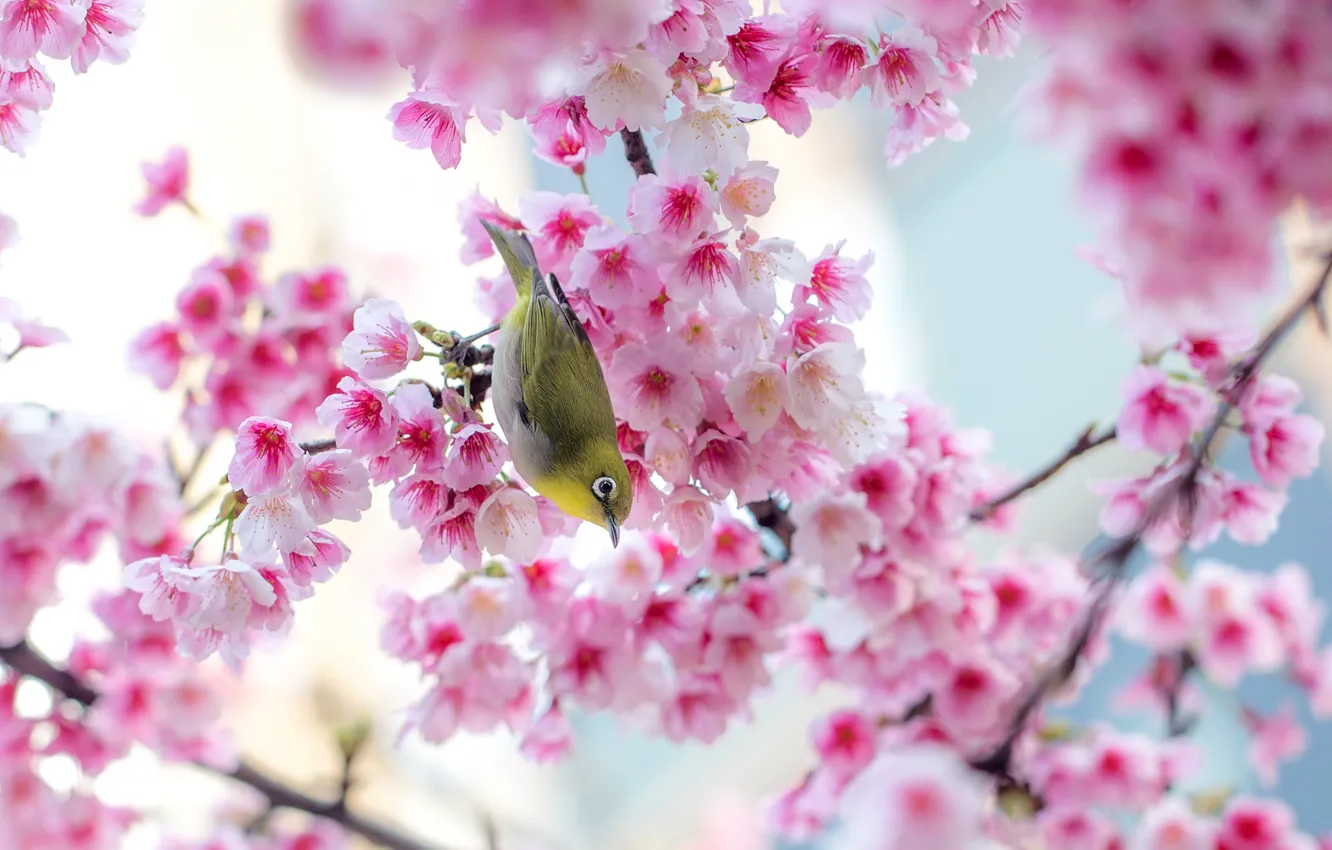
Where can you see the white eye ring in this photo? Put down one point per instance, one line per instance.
(603, 487)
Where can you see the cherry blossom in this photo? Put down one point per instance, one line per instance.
(381, 343)
(168, 181)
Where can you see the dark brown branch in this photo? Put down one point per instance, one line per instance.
(772, 516)
(25, 660)
(1108, 566)
(1086, 442)
(635, 150)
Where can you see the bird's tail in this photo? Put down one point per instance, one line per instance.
(518, 255)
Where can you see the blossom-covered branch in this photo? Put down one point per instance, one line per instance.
(1179, 493)
(24, 660)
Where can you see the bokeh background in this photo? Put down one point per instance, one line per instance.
(979, 299)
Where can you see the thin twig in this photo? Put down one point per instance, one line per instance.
(1085, 442)
(26, 661)
(1108, 566)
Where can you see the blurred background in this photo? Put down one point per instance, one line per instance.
(979, 299)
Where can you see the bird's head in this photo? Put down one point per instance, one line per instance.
(593, 485)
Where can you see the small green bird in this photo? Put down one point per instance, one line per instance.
(551, 398)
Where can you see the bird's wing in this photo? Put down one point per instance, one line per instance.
(558, 354)
(516, 249)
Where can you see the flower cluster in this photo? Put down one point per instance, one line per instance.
(580, 71)
(922, 796)
(82, 31)
(66, 485)
(1163, 411)
(245, 344)
(635, 633)
(1196, 124)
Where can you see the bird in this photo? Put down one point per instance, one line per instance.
(551, 399)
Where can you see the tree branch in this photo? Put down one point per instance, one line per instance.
(1109, 564)
(23, 659)
(635, 150)
(1086, 442)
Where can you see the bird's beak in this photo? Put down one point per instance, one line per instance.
(613, 526)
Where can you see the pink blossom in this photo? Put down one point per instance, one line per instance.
(616, 268)
(626, 90)
(653, 385)
(506, 524)
(29, 87)
(452, 534)
(549, 738)
(1250, 512)
(265, 454)
(677, 209)
(735, 549)
(566, 149)
(487, 607)
(475, 457)
(838, 284)
(840, 70)
(1275, 739)
(1154, 612)
(912, 798)
(845, 742)
(416, 500)
(249, 234)
(757, 48)
(722, 464)
(974, 697)
(110, 26)
(1172, 825)
(1284, 447)
(431, 119)
(382, 342)
(757, 398)
(889, 484)
(207, 308)
(53, 27)
(421, 437)
(823, 383)
(669, 456)
(687, 515)
(788, 96)
(347, 40)
(168, 181)
(477, 245)
(362, 419)
(18, 125)
(748, 191)
(628, 576)
(707, 270)
(905, 71)
(917, 126)
(558, 225)
(228, 594)
(169, 591)
(1248, 823)
(278, 520)
(316, 558)
(711, 136)
(830, 529)
(590, 658)
(332, 485)
(1160, 414)
(567, 118)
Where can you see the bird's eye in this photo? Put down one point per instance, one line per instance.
(603, 487)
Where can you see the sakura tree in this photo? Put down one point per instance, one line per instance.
(772, 490)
